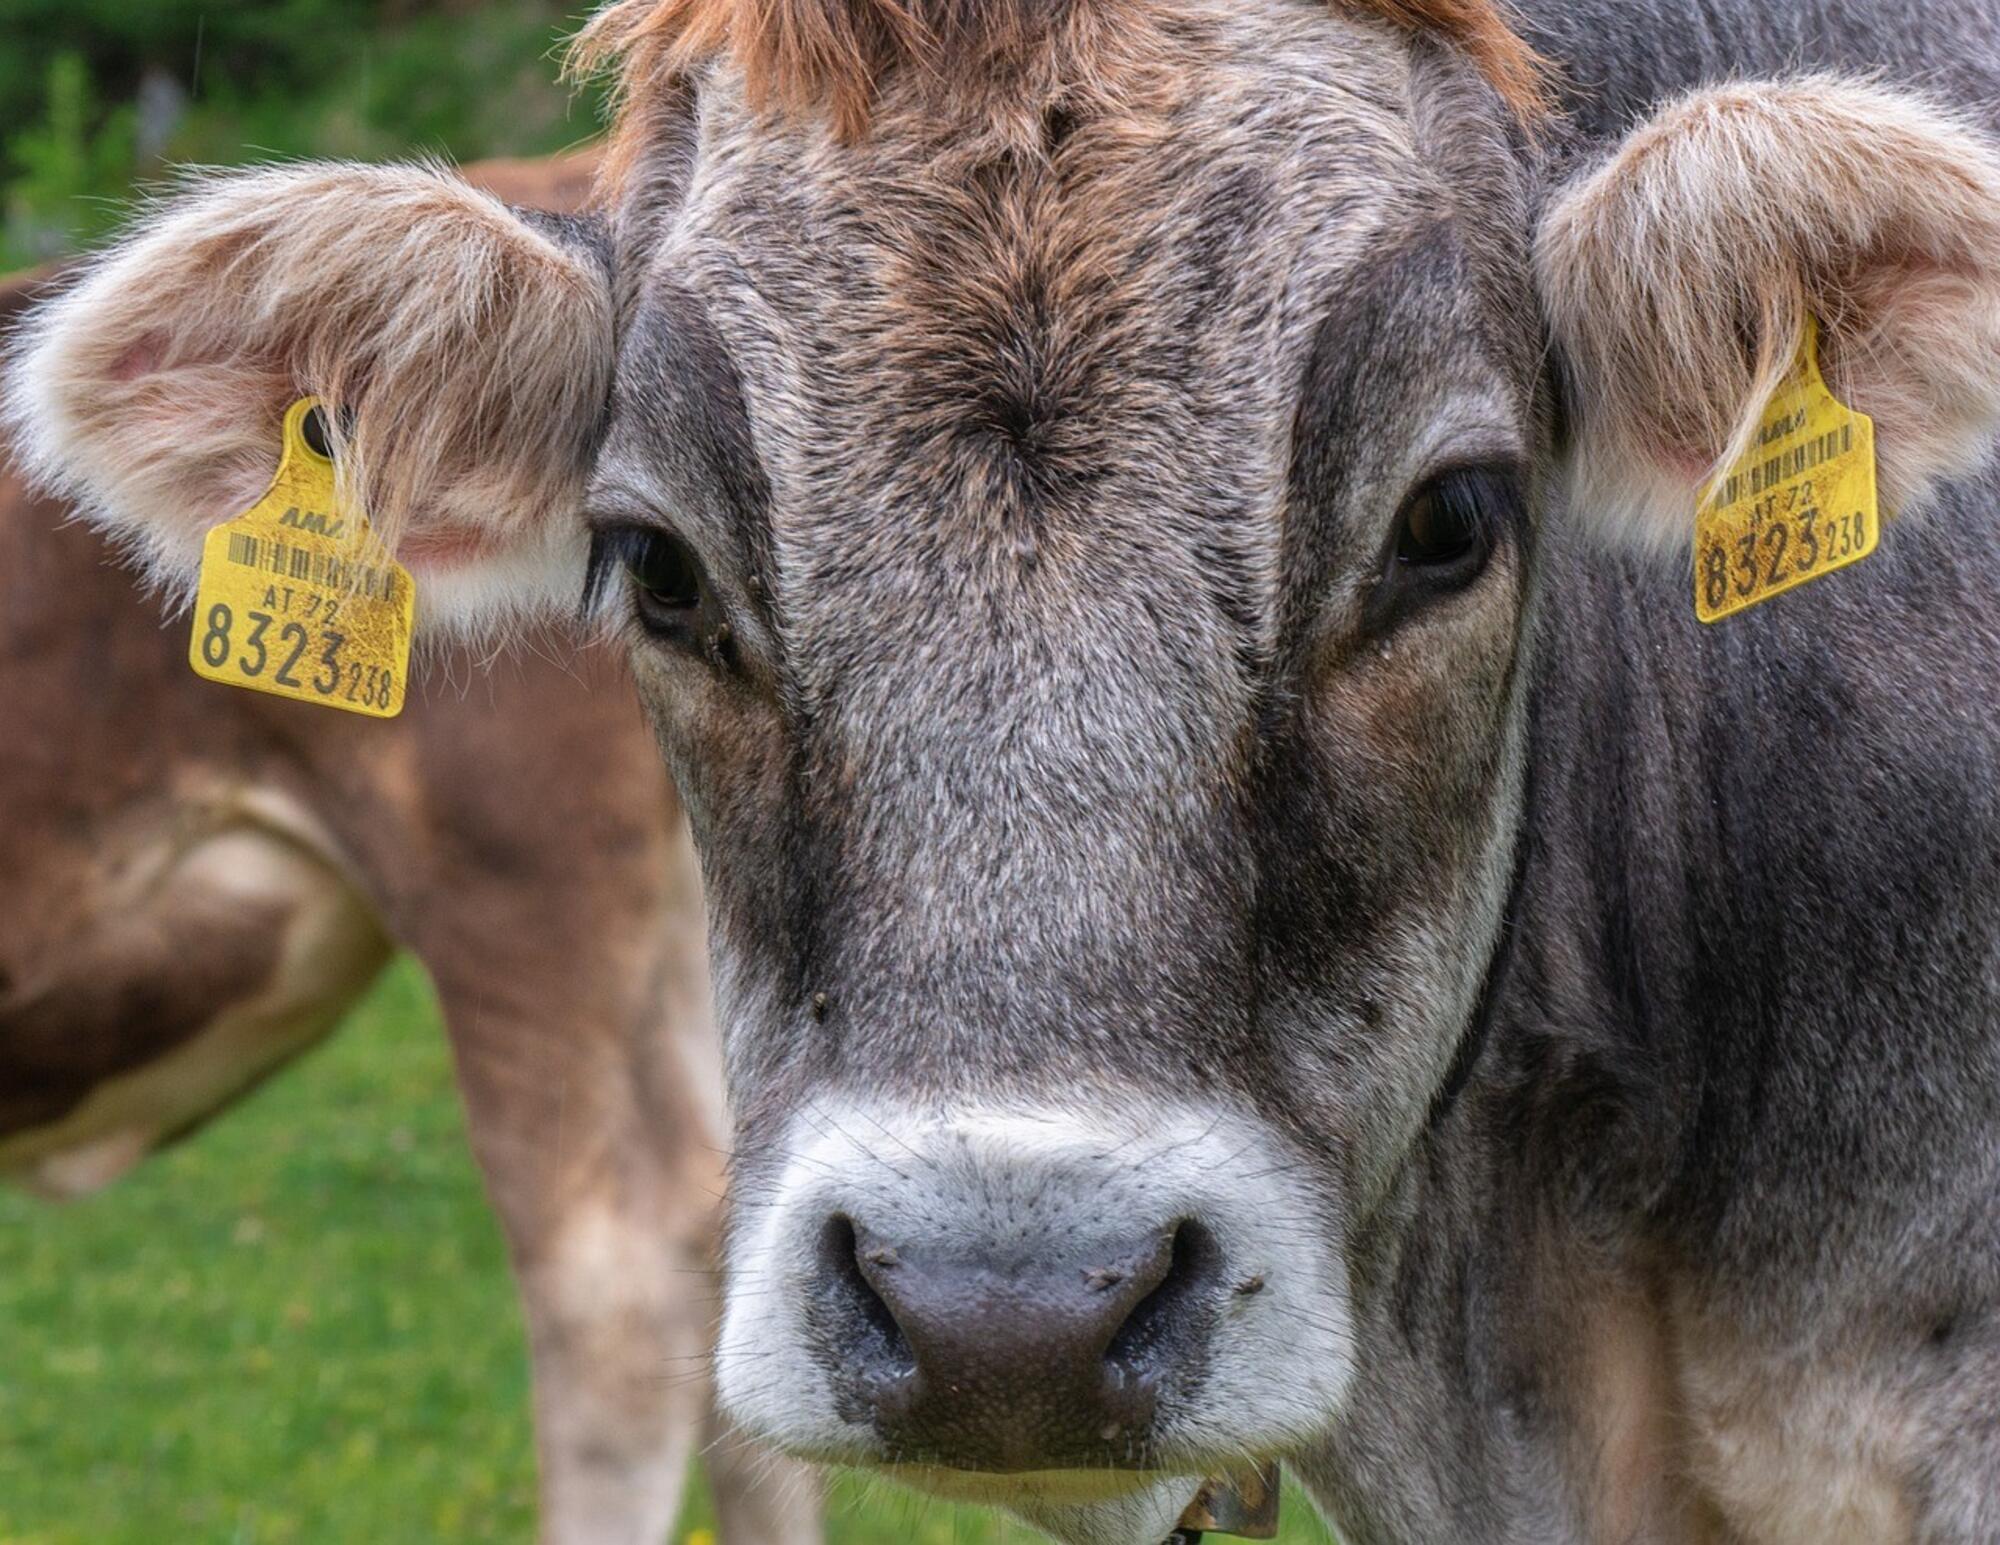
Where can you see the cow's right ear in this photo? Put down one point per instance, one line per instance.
(466, 351)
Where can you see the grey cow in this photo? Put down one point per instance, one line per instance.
(1250, 919)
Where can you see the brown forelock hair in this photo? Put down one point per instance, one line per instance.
(804, 55)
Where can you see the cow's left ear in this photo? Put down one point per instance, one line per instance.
(1678, 276)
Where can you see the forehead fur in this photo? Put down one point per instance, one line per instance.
(1049, 387)
(806, 55)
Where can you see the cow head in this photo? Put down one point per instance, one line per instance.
(1072, 481)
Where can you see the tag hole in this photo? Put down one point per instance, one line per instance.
(313, 432)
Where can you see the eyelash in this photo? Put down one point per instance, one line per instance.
(609, 548)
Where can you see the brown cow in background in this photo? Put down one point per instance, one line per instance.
(196, 884)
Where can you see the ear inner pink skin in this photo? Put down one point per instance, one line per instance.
(144, 358)
(446, 547)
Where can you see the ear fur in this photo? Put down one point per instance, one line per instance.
(466, 352)
(1678, 275)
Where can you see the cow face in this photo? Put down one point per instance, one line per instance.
(1079, 587)
(1076, 533)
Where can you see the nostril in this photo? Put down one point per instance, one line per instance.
(1169, 1317)
(1008, 1357)
(864, 1314)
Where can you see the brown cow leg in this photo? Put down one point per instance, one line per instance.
(592, 1088)
(610, 1224)
(583, 1061)
(618, 1322)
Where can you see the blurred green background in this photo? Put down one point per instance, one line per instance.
(97, 96)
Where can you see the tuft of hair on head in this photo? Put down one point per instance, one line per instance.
(1679, 274)
(802, 56)
(795, 55)
(1485, 34)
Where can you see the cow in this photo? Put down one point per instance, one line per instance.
(1250, 918)
(195, 884)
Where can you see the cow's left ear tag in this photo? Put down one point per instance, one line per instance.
(297, 596)
(1800, 504)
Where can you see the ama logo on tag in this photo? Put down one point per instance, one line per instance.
(1782, 427)
(313, 520)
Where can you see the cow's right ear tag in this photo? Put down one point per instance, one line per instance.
(298, 598)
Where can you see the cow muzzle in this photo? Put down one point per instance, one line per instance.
(1048, 1305)
(1055, 1358)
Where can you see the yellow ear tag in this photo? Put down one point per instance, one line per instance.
(299, 599)
(1799, 505)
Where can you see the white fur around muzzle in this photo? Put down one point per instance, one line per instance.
(968, 1180)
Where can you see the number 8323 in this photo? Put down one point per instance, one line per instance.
(265, 649)
(1778, 548)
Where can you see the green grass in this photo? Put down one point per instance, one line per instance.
(299, 1326)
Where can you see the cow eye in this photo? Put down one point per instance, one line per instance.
(665, 574)
(1444, 534)
(1446, 521)
(671, 597)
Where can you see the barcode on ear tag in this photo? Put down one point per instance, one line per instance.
(297, 598)
(1801, 503)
